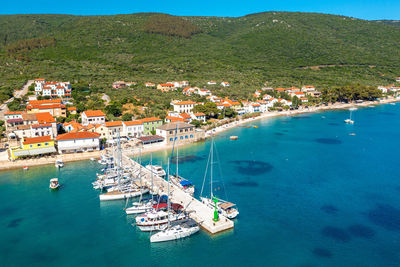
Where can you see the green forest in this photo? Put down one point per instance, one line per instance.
(259, 50)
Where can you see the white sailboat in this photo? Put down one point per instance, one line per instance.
(59, 163)
(224, 207)
(178, 231)
(349, 120)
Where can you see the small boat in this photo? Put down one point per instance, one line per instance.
(156, 169)
(228, 209)
(92, 159)
(352, 134)
(349, 121)
(54, 183)
(139, 207)
(184, 184)
(123, 194)
(234, 137)
(26, 168)
(157, 220)
(177, 230)
(59, 163)
(393, 104)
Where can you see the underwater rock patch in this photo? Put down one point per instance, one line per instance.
(15, 223)
(328, 141)
(322, 253)
(359, 230)
(252, 167)
(329, 209)
(279, 134)
(385, 216)
(188, 158)
(336, 234)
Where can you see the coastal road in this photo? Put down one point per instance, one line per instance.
(106, 98)
(17, 94)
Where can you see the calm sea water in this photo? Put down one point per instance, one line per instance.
(309, 194)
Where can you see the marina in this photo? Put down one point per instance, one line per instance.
(294, 210)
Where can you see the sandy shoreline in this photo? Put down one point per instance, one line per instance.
(7, 165)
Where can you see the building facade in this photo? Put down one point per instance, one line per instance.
(78, 142)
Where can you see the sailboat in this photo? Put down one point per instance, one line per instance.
(184, 184)
(224, 207)
(157, 219)
(179, 230)
(121, 191)
(349, 120)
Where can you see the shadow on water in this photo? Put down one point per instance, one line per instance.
(385, 216)
(359, 230)
(15, 223)
(336, 234)
(7, 211)
(328, 141)
(300, 117)
(387, 113)
(330, 209)
(322, 253)
(279, 134)
(245, 183)
(252, 167)
(188, 158)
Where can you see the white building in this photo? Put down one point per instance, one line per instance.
(307, 88)
(78, 142)
(180, 84)
(183, 106)
(212, 83)
(203, 92)
(13, 115)
(199, 116)
(93, 117)
(52, 89)
(132, 128)
(225, 84)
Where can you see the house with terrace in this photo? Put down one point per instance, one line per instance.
(78, 142)
(93, 117)
(35, 146)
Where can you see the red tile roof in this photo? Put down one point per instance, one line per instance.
(129, 123)
(45, 101)
(113, 123)
(94, 113)
(71, 108)
(35, 140)
(149, 119)
(185, 115)
(13, 113)
(167, 84)
(41, 125)
(173, 119)
(77, 135)
(185, 103)
(44, 117)
(199, 114)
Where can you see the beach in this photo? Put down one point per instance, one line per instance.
(6, 165)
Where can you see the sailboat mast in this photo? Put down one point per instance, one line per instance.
(177, 158)
(211, 167)
(151, 164)
(168, 204)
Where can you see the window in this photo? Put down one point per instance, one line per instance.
(171, 139)
(191, 136)
(170, 132)
(176, 138)
(30, 145)
(39, 145)
(181, 137)
(186, 137)
(46, 144)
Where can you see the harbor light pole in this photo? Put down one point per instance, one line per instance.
(216, 217)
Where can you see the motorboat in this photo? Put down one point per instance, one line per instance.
(59, 163)
(123, 194)
(177, 230)
(183, 184)
(225, 208)
(139, 207)
(156, 169)
(349, 121)
(234, 137)
(157, 220)
(25, 168)
(54, 183)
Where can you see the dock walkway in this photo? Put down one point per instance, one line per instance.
(198, 211)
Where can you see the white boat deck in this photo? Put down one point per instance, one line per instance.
(200, 212)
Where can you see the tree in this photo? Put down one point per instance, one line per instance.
(114, 110)
(31, 88)
(230, 113)
(127, 117)
(196, 123)
(209, 108)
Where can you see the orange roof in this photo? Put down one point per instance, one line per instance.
(299, 93)
(293, 88)
(13, 113)
(280, 89)
(94, 113)
(77, 135)
(52, 106)
(129, 123)
(149, 119)
(185, 103)
(39, 80)
(232, 102)
(113, 123)
(44, 117)
(303, 98)
(199, 114)
(39, 139)
(71, 108)
(185, 115)
(172, 119)
(256, 105)
(41, 125)
(309, 86)
(166, 84)
(45, 101)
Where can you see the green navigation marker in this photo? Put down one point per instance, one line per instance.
(216, 217)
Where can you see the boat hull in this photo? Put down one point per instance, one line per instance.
(105, 197)
(173, 234)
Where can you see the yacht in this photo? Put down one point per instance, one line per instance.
(123, 193)
(177, 230)
(157, 220)
(59, 163)
(54, 183)
(350, 121)
(157, 170)
(183, 184)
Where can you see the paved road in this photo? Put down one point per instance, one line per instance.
(106, 98)
(18, 94)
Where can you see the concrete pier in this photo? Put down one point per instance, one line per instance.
(198, 211)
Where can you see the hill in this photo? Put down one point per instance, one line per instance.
(272, 48)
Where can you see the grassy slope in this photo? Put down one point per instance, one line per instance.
(251, 51)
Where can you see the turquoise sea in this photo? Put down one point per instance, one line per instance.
(309, 194)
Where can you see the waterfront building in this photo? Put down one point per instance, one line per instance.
(93, 117)
(32, 147)
(184, 132)
(150, 125)
(170, 119)
(113, 128)
(132, 128)
(78, 142)
(199, 116)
